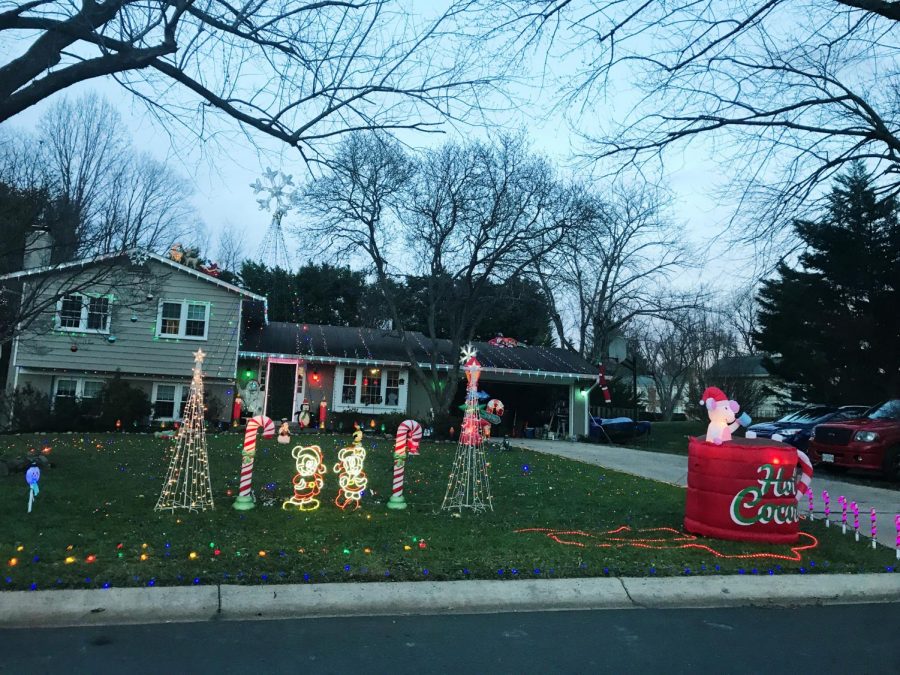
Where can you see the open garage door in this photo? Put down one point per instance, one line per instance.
(527, 406)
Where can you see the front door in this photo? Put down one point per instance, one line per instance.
(280, 390)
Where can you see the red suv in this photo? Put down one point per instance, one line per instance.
(871, 442)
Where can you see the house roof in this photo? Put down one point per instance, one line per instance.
(739, 366)
(343, 344)
(135, 255)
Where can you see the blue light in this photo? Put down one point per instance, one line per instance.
(196, 580)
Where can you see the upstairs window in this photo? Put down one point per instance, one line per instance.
(83, 313)
(183, 319)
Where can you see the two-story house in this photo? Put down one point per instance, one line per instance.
(136, 313)
(144, 315)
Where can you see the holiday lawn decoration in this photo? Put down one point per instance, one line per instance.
(742, 490)
(32, 476)
(721, 411)
(352, 479)
(308, 480)
(409, 434)
(284, 433)
(244, 501)
(187, 483)
(469, 486)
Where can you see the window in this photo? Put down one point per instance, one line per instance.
(169, 400)
(376, 389)
(392, 389)
(371, 391)
(348, 392)
(83, 313)
(183, 320)
(72, 389)
(67, 389)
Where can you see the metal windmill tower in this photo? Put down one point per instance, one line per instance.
(276, 193)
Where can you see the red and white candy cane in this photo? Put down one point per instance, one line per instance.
(249, 453)
(806, 473)
(409, 433)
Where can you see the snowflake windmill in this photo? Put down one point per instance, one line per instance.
(469, 486)
(276, 192)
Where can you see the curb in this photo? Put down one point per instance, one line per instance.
(231, 602)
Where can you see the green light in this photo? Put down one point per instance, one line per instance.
(248, 374)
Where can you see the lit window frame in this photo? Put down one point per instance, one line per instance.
(183, 320)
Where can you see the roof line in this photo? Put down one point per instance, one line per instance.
(47, 269)
(441, 366)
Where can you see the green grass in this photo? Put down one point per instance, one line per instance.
(669, 437)
(98, 501)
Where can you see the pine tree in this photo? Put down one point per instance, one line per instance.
(832, 322)
(469, 486)
(187, 484)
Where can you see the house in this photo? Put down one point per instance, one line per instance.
(146, 315)
(135, 313)
(367, 370)
(746, 379)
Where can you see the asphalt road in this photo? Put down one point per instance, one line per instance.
(834, 639)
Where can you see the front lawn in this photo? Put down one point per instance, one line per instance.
(671, 437)
(93, 522)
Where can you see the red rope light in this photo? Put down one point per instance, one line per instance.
(607, 541)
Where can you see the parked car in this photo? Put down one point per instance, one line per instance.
(797, 427)
(871, 442)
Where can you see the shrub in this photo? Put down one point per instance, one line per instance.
(27, 409)
(121, 401)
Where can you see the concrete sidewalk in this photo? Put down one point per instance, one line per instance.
(203, 603)
(672, 469)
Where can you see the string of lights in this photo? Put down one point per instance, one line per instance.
(469, 485)
(187, 484)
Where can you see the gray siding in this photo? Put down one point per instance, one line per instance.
(136, 349)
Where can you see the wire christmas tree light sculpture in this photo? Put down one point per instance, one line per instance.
(469, 486)
(187, 484)
(276, 190)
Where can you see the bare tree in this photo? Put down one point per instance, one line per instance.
(459, 217)
(231, 251)
(298, 72)
(787, 93)
(78, 190)
(615, 265)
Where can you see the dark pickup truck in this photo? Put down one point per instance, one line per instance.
(871, 442)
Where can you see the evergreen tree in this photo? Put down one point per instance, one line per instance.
(832, 323)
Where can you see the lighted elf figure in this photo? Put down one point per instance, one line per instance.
(352, 479)
(284, 433)
(323, 412)
(308, 481)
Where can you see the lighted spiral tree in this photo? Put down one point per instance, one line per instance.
(187, 484)
(469, 486)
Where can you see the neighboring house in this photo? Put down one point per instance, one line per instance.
(144, 319)
(368, 371)
(746, 377)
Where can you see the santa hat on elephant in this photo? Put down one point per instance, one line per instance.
(712, 396)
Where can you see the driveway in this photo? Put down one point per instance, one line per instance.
(673, 469)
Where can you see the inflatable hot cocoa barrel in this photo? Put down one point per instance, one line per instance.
(743, 490)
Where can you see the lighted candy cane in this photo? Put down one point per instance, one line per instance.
(409, 433)
(874, 520)
(244, 501)
(827, 507)
(897, 544)
(855, 518)
(804, 466)
(843, 502)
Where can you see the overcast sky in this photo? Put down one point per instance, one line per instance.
(220, 171)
